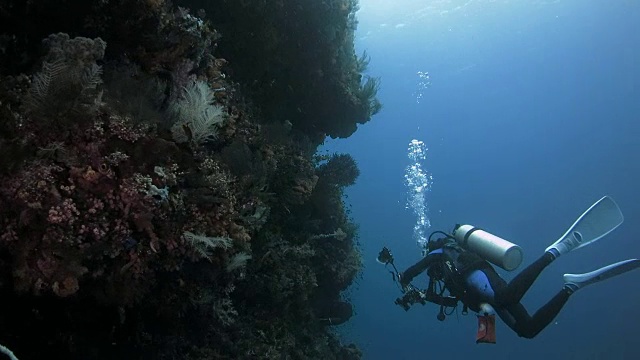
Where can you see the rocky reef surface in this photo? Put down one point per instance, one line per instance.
(161, 192)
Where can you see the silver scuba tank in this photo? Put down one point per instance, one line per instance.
(492, 248)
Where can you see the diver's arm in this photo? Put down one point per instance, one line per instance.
(417, 268)
(448, 301)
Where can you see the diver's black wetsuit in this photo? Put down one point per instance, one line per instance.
(484, 285)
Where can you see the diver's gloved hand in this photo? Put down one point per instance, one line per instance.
(403, 283)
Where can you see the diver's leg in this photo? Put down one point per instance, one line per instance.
(515, 290)
(529, 326)
(518, 319)
(485, 284)
(507, 318)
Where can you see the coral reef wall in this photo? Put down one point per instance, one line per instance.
(160, 192)
(297, 60)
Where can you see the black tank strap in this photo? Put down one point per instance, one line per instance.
(468, 234)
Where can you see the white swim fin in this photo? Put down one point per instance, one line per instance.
(599, 220)
(578, 281)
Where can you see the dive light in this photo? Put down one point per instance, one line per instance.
(385, 257)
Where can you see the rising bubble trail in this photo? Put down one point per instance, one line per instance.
(418, 182)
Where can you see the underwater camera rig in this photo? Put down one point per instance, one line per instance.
(410, 298)
(488, 246)
(412, 294)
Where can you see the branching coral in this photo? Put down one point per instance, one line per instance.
(69, 77)
(204, 245)
(197, 119)
(340, 170)
(338, 235)
(238, 261)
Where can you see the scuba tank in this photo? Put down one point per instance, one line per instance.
(494, 249)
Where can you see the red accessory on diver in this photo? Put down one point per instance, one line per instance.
(486, 329)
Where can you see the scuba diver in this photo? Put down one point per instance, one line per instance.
(460, 264)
